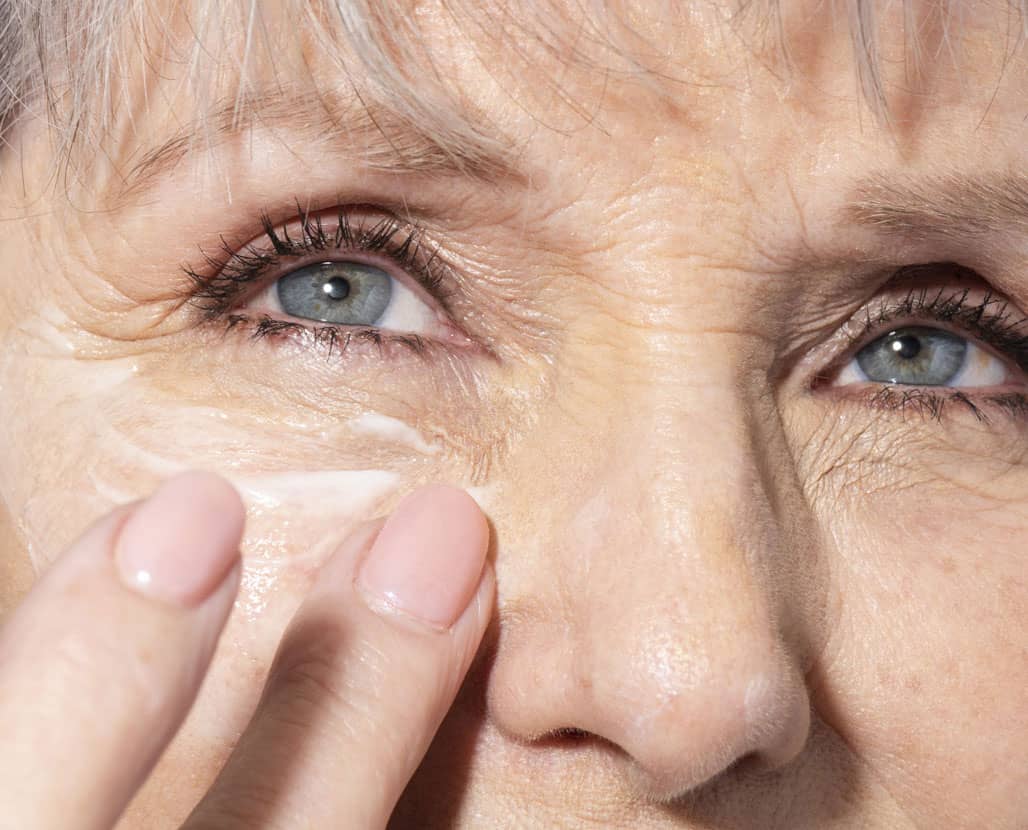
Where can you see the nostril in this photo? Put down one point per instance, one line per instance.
(660, 712)
(751, 762)
(567, 737)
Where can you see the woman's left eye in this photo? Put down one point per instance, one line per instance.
(923, 356)
(348, 293)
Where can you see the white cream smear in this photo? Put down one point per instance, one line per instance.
(484, 495)
(394, 430)
(118, 441)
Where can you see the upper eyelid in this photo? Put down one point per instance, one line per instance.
(307, 236)
(988, 318)
(310, 235)
(1002, 329)
(306, 232)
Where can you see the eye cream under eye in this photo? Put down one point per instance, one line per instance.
(392, 430)
(294, 515)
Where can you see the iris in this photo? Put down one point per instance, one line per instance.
(342, 293)
(915, 356)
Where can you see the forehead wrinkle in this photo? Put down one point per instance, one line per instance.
(351, 124)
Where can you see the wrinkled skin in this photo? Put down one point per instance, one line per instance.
(729, 594)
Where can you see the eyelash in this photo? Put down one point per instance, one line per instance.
(931, 405)
(990, 319)
(232, 274)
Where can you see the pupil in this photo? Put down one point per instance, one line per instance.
(337, 288)
(906, 347)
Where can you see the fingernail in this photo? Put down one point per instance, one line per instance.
(428, 558)
(180, 544)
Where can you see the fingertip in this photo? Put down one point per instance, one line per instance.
(459, 509)
(180, 544)
(427, 561)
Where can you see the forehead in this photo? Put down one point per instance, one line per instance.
(449, 80)
(568, 52)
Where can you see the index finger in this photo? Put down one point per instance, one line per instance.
(365, 674)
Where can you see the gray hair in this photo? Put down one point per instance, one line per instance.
(69, 59)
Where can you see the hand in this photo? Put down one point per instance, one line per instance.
(101, 662)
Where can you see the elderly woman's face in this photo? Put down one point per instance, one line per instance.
(737, 371)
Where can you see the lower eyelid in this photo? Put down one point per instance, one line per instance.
(325, 340)
(935, 403)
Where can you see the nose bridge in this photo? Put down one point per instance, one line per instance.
(677, 537)
(683, 473)
(670, 481)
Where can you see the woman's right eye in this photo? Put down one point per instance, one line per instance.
(348, 293)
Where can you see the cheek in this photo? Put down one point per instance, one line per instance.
(16, 573)
(924, 670)
(92, 443)
(928, 660)
(80, 437)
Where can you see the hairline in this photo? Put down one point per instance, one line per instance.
(30, 50)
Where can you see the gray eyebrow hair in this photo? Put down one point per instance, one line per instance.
(352, 126)
(930, 207)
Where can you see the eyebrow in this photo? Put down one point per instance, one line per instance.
(931, 207)
(353, 126)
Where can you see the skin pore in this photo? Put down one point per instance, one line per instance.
(732, 592)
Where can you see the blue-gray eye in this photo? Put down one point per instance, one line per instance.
(915, 356)
(342, 293)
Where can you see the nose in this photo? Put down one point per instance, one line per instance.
(657, 622)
